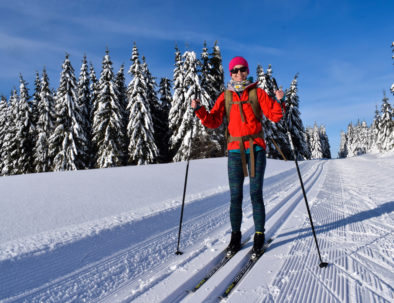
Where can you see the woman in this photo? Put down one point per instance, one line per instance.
(245, 145)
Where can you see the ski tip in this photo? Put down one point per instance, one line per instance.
(223, 297)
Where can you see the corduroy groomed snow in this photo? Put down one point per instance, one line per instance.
(238, 61)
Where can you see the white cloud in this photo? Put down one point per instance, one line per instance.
(9, 43)
(116, 27)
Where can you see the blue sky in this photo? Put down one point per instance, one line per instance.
(341, 49)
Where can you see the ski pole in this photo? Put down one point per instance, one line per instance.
(322, 264)
(178, 252)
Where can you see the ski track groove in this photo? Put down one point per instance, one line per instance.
(346, 244)
(69, 286)
(286, 212)
(180, 292)
(161, 277)
(115, 262)
(371, 277)
(363, 284)
(276, 227)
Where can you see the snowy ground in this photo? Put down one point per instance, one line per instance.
(110, 235)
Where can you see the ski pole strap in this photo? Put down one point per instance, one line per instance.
(241, 141)
(278, 148)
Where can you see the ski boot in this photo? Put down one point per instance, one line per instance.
(235, 243)
(258, 244)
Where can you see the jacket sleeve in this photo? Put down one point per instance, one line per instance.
(269, 106)
(214, 118)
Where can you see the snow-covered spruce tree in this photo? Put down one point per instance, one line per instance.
(215, 88)
(10, 142)
(179, 107)
(34, 112)
(165, 93)
(207, 78)
(3, 121)
(316, 144)
(351, 140)
(342, 153)
(165, 100)
(211, 82)
(374, 131)
(6, 121)
(140, 133)
(364, 136)
(265, 83)
(294, 121)
(392, 85)
(357, 147)
(45, 126)
(85, 107)
(273, 132)
(261, 79)
(67, 144)
(19, 134)
(160, 128)
(216, 72)
(204, 143)
(108, 129)
(35, 100)
(308, 137)
(361, 138)
(94, 91)
(386, 126)
(325, 145)
(26, 129)
(120, 82)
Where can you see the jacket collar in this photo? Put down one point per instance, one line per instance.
(250, 86)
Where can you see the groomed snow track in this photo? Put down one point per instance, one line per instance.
(282, 196)
(136, 261)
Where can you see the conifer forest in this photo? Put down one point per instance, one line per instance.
(99, 120)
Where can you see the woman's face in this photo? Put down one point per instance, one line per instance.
(239, 73)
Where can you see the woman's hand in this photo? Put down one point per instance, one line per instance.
(195, 103)
(279, 94)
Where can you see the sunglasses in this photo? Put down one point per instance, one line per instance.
(241, 69)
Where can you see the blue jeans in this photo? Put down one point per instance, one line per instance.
(236, 180)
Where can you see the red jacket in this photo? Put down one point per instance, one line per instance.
(236, 128)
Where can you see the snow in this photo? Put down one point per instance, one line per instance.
(110, 235)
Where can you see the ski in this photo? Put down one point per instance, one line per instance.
(218, 266)
(245, 269)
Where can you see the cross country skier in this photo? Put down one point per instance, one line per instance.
(245, 144)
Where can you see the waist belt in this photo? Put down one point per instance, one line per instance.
(241, 141)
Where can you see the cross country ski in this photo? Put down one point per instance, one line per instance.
(227, 255)
(245, 269)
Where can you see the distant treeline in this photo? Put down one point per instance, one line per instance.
(378, 137)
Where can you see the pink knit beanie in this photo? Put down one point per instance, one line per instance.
(238, 61)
